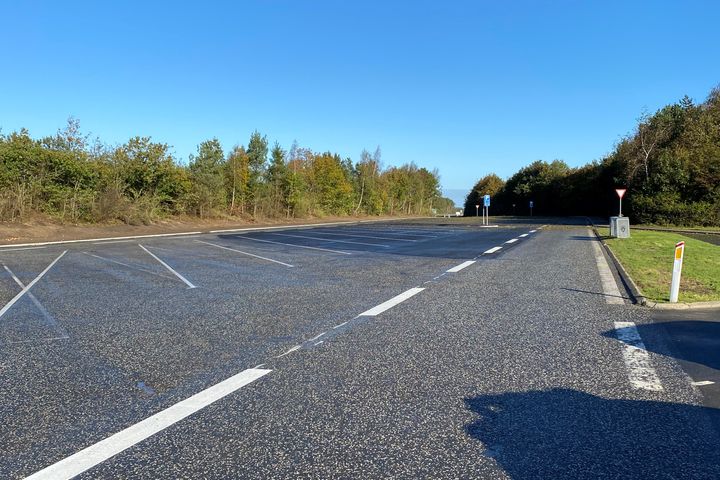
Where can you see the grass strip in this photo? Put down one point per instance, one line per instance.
(648, 258)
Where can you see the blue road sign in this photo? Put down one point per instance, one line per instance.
(486, 199)
(532, 204)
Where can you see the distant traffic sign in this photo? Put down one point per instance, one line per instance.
(486, 200)
(620, 192)
(532, 204)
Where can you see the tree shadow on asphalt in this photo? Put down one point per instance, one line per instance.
(567, 434)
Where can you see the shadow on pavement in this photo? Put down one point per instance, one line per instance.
(599, 294)
(696, 341)
(567, 434)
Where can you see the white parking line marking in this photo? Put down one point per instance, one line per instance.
(328, 240)
(703, 383)
(185, 280)
(523, 235)
(492, 250)
(260, 229)
(512, 241)
(125, 265)
(377, 310)
(294, 245)
(391, 231)
(95, 454)
(114, 241)
(245, 253)
(85, 240)
(29, 286)
(24, 248)
(48, 318)
(364, 236)
(609, 286)
(457, 268)
(640, 370)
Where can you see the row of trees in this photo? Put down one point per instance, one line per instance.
(70, 178)
(670, 165)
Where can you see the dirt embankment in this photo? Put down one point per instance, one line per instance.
(14, 233)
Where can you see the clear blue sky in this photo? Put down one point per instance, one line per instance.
(467, 87)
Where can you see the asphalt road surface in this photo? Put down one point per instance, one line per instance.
(407, 349)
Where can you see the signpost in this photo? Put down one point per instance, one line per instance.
(532, 204)
(677, 269)
(620, 192)
(486, 209)
(477, 210)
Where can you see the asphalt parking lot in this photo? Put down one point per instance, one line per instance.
(422, 348)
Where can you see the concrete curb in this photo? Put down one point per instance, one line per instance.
(684, 306)
(637, 294)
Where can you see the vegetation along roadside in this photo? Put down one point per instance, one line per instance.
(647, 256)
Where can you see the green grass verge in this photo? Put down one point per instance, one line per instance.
(648, 258)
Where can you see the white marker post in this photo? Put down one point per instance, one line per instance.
(677, 269)
(477, 210)
(620, 192)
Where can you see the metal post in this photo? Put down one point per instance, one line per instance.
(620, 214)
(477, 210)
(677, 270)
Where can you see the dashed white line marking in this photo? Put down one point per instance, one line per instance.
(245, 253)
(703, 383)
(512, 241)
(317, 336)
(492, 250)
(294, 245)
(457, 268)
(609, 286)
(533, 231)
(29, 286)
(340, 325)
(328, 240)
(377, 310)
(95, 454)
(293, 349)
(523, 235)
(637, 360)
(319, 343)
(185, 280)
